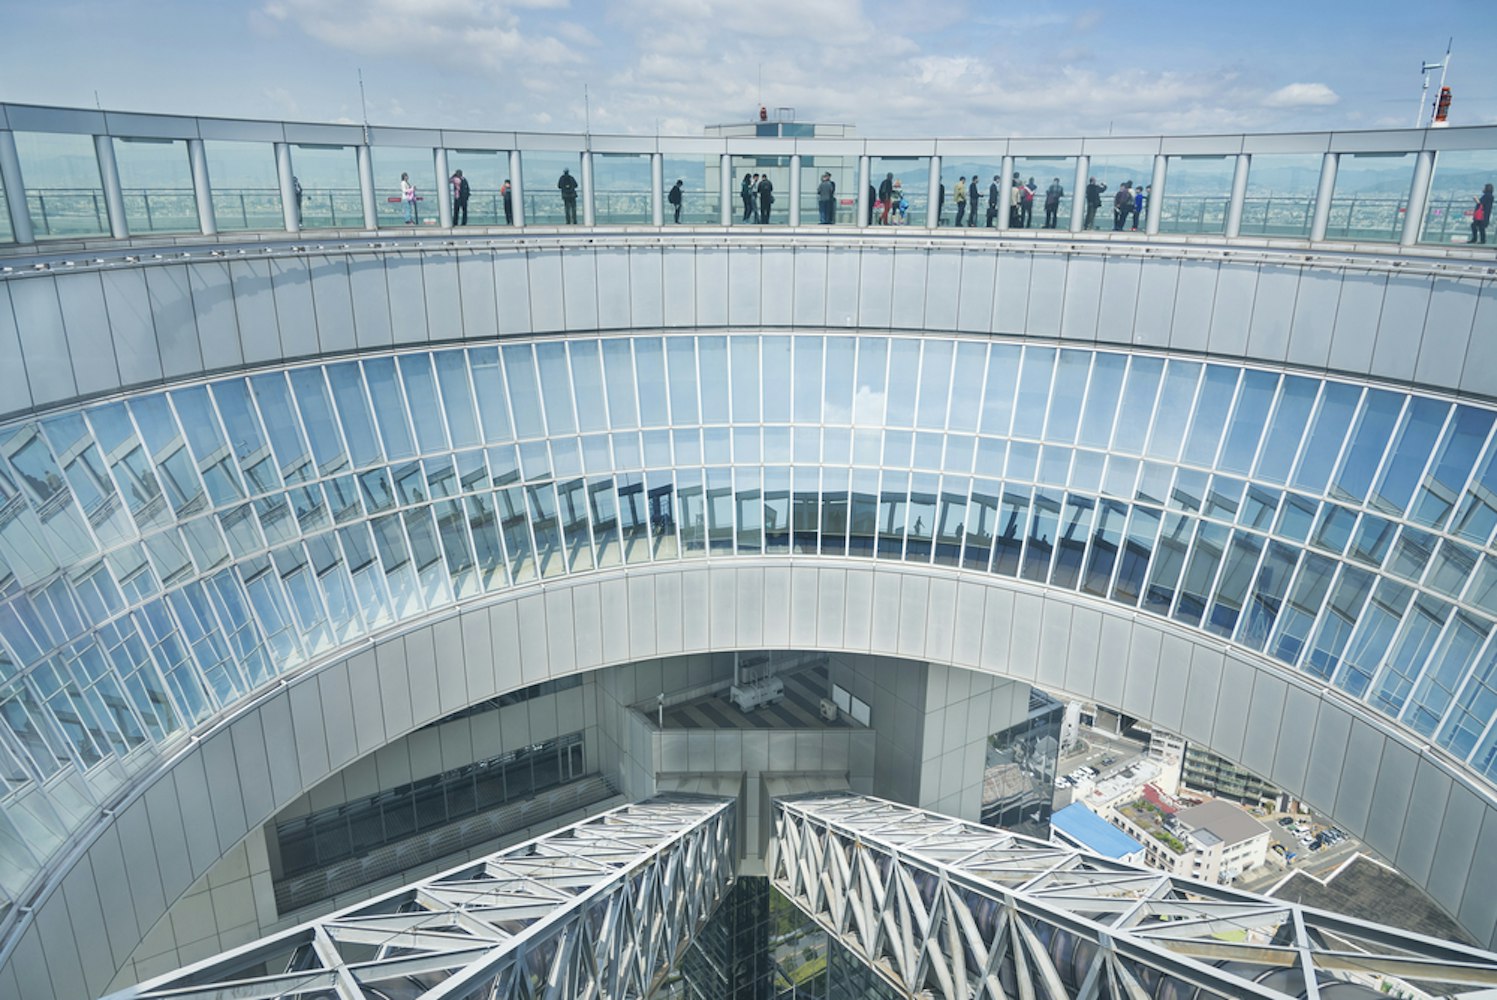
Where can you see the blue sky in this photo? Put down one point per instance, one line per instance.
(905, 68)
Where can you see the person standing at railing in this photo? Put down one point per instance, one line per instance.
(825, 193)
(1122, 205)
(296, 193)
(885, 194)
(1481, 215)
(961, 199)
(1093, 201)
(408, 198)
(460, 193)
(1053, 194)
(766, 199)
(507, 193)
(567, 185)
(675, 199)
(746, 192)
(1140, 200)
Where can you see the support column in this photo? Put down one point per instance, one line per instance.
(1413, 217)
(15, 190)
(1156, 195)
(932, 211)
(1078, 192)
(589, 210)
(444, 188)
(367, 194)
(1323, 194)
(202, 190)
(730, 190)
(114, 197)
(657, 189)
(794, 189)
(515, 194)
(290, 210)
(1005, 192)
(1239, 195)
(865, 168)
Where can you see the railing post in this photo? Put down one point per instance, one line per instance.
(730, 192)
(202, 189)
(367, 198)
(290, 210)
(444, 188)
(933, 189)
(1413, 217)
(114, 197)
(1323, 194)
(516, 199)
(794, 215)
(1078, 192)
(865, 170)
(1005, 191)
(589, 210)
(1239, 195)
(657, 193)
(15, 190)
(1156, 195)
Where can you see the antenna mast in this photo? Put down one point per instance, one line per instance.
(363, 105)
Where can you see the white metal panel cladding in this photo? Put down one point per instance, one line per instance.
(944, 908)
(602, 909)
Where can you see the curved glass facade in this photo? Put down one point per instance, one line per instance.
(163, 556)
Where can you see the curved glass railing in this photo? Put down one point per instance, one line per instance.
(73, 173)
(166, 554)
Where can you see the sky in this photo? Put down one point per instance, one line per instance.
(889, 68)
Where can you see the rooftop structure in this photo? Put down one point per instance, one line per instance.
(1078, 826)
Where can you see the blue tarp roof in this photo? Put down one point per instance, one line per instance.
(1081, 824)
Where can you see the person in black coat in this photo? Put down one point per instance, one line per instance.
(994, 200)
(1481, 215)
(567, 185)
(675, 199)
(747, 193)
(766, 198)
(885, 195)
(1093, 201)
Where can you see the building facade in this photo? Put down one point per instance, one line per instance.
(279, 491)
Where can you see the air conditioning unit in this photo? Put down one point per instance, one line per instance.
(829, 710)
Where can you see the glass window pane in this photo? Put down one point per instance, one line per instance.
(63, 188)
(838, 202)
(1462, 182)
(547, 176)
(1049, 181)
(5, 232)
(487, 174)
(902, 187)
(1280, 197)
(1108, 176)
(763, 189)
(1196, 194)
(246, 188)
(404, 186)
(1371, 196)
(326, 182)
(156, 180)
(964, 194)
(700, 178)
(621, 189)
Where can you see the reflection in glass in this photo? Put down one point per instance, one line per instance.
(63, 188)
(1280, 198)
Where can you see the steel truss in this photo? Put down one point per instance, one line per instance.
(601, 909)
(945, 908)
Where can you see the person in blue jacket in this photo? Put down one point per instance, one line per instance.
(1140, 199)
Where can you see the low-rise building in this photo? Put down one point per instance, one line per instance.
(1078, 826)
(1215, 841)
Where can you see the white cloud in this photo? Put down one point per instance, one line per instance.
(1302, 95)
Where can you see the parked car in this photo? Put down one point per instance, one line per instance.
(1287, 821)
